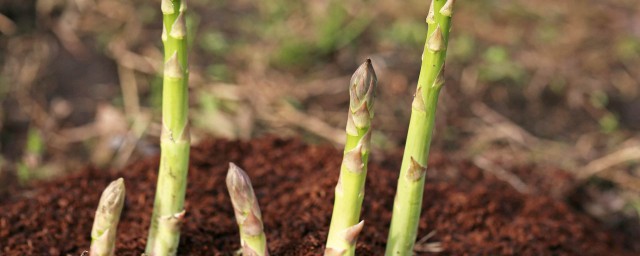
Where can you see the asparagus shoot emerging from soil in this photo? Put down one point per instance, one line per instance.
(349, 192)
(247, 211)
(105, 224)
(408, 200)
(168, 210)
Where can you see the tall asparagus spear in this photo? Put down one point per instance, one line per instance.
(247, 211)
(105, 224)
(408, 201)
(168, 210)
(349, 192)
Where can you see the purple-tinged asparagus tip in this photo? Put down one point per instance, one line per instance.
(362, 86)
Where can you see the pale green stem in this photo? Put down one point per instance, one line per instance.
(349, 193)
(168, 210)
(408, 200)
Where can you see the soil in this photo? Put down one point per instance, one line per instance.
(472, 212)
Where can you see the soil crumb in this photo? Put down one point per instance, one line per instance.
(471, 213)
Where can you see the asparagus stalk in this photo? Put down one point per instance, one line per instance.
(247, 211)
(168, 210)
(349, 192)
(105, 224)
(408, 200)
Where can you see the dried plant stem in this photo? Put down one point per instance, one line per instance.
(349, 193)
(168, 210)
(408, 201)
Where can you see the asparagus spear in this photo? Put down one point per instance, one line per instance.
(408, 201)
(349, 192)
(247, 211)
(105, 224)
(168, 210)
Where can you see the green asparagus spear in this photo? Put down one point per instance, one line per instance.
(408, 201)
(349, 193)
(247, 211)
(168, 210)
(105, 224)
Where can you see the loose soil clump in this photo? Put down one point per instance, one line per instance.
(471, 213)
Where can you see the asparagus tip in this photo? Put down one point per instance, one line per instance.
(247, 211)
(103, 232)
(238, 180)
(362, 86)
(244, 201)
(113, 195)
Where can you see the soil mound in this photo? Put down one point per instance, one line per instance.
(471, 213)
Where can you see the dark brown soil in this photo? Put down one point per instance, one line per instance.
(472, 213)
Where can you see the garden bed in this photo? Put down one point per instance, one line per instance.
(471, 212)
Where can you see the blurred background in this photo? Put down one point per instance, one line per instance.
(528, 83)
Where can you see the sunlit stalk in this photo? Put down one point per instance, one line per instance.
(408, 201)
(168, 210)
(349, 193)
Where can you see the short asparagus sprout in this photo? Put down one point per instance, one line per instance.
(105, 224)
(408, 202)
(168, 209)
(349, 192)
(247, 211)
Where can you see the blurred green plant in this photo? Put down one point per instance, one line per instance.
(547, 32)
(463, 48)
(609, 122)
(215, 116)
(214, 42)
(155, 95)
(627, 48)
(332, 29)
(403, 32)
(599, 99)
(32, 157)
(499, 66)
